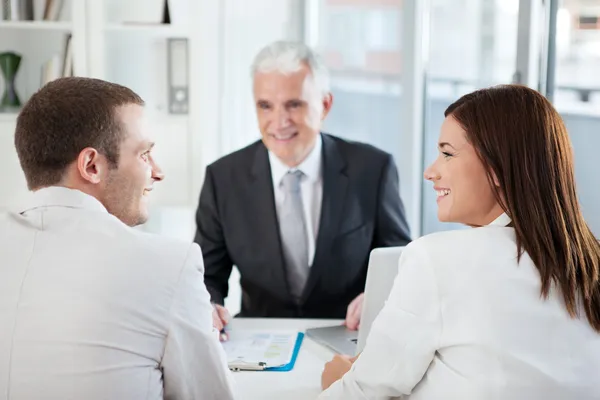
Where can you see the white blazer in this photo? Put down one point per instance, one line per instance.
(93, 309)
(465, 321)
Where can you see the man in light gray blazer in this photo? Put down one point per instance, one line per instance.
(89, 307)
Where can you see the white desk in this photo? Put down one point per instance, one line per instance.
(302, 382)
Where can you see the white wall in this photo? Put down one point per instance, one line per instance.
(250, 25)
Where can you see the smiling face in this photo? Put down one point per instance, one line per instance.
(127, 186)
(464, 194)
(290, 109)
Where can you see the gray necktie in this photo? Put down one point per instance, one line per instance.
(294, 240)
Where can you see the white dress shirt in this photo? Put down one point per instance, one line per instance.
(465, 321)
(93, 309)
(311, 187)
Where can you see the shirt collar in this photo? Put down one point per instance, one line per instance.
(58, 196)
(310, 167)
(502, 220)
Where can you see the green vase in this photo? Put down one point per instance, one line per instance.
(9, 64)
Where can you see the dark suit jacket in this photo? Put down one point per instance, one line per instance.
(237, 225)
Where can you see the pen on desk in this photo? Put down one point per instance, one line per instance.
(223, 335)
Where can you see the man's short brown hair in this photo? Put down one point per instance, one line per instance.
(63, 118)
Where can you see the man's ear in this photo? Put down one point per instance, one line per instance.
(92, 166)
(327, 103)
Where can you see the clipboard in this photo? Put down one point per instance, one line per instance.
(264, 366)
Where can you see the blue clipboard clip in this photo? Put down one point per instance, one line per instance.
(289, 366)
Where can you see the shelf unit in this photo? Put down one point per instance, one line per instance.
(134, 55)
(37, 25)
(40, 41)
(153, 30)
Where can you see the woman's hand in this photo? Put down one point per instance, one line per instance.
(335, 369)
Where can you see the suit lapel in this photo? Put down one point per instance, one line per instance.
(265, 219)
(335, 184)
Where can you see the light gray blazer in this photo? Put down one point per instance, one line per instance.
(93, 309)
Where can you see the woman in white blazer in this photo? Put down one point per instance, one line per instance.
(509, 309)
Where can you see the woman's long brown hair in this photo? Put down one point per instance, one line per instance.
(523, 143)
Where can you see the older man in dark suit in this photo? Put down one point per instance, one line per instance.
(299, 211)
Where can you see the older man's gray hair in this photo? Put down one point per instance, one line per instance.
(288, 57)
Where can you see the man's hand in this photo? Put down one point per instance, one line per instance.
(221, 317)
(335, 369)
(354, 311)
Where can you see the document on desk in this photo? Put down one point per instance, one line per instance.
(261, 350)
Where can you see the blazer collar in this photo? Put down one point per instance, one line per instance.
(334, 161)
(58, 196)
(335, 186)
(502, 220)
(331, 158)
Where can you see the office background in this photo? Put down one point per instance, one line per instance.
(395, 66)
